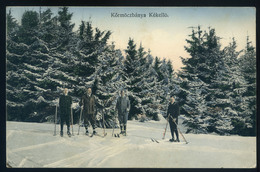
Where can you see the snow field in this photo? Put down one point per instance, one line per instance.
(33, 145)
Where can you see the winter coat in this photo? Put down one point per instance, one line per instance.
(123, 105)
(89, 104)
(65, 105)
(173, 110)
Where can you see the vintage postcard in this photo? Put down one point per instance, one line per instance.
(130, 87)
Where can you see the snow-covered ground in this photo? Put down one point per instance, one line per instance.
(33, 145)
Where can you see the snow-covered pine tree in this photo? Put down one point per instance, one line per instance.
(29, 56)
(86, 60)
(61, 34)
(132, 77)
(11, 24)
(229, 86)
(141, 80)
(109, 83)
(43, 44)
(58, 32)
(157, 64)
(147, 85)
(247, 64)
(198, 72)
(175, 81)
(13, 59)
(165, 82)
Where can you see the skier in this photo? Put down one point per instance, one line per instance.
(89, 110)
(173, 113)
(65, 102)
(123, 107)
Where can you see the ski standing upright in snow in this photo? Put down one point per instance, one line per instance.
(104, 131)
(80, 116)
(71, 112)
(55, 119)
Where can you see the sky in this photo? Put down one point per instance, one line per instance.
(164, 36)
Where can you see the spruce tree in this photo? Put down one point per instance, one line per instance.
(132, 66)
(247, 63)
(198, 72)
(27, 57)
(229, 87)
(109, 83)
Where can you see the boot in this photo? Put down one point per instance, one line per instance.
(61, 130)
(121, 128)
(69, 134)
(94, 132)
(87, 133)
(124, 130)
(177, 135)
(68, 131)
(61, 133)
(172, 140)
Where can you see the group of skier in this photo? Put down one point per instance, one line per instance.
(88, 107)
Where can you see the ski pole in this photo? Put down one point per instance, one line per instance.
(80, 118)
(125, 129)
(167, 120)
(71, 116)
(55, 120)
(180, 131)
(113, 127)
(104, 133)
(166, 127)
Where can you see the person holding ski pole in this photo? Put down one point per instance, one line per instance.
(89, 110)
(123, 107)
(173, 111)
(65, 102)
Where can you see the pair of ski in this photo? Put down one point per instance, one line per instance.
(97, 135)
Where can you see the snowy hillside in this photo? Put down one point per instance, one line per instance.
(33, 145)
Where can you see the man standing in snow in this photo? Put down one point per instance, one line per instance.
(173, 112)
(65, 102)
(123, 107)
(89, 110)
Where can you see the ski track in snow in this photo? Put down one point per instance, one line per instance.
(37, 146)
(22, 162)
(33, 145)
(9, 133)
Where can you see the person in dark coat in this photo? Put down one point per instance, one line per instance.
(123, 107)
(89, 110)
(172, 113)
(65, 102)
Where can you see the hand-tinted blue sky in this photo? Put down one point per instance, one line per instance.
(165, 37)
